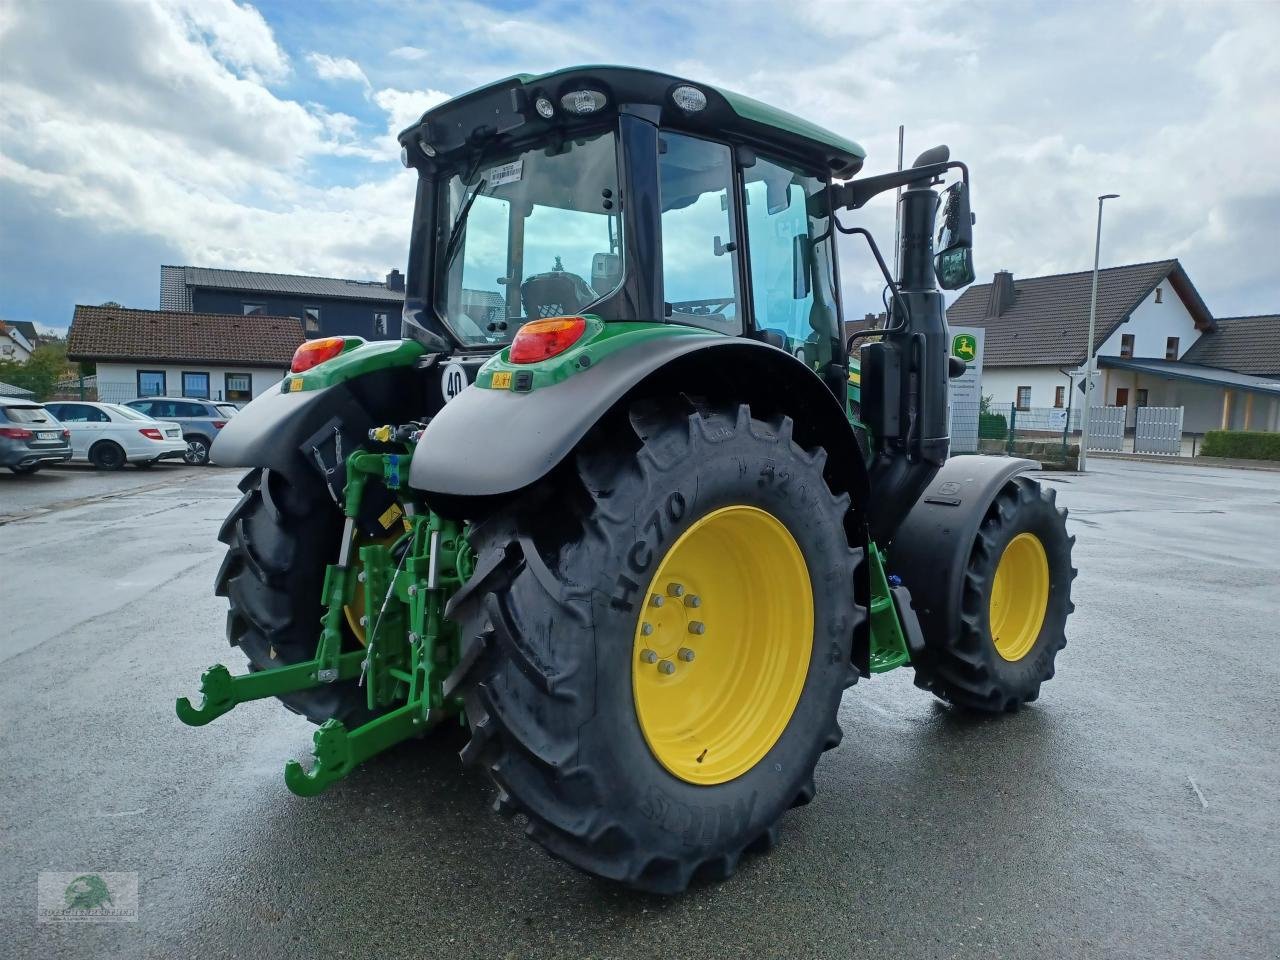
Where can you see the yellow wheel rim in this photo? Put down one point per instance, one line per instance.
(722, 645)
(1019, 596)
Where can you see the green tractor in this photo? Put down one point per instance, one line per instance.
(624, 502)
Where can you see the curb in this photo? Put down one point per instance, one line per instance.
(1197, 461)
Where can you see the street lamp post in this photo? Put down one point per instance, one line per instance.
(1089, 356)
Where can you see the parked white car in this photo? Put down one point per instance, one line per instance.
(109, 435)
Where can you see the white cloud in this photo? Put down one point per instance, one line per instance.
(406, 107)
(164, 119)
(337, 68)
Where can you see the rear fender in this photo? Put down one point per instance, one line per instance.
(365, 387)
(489, 442)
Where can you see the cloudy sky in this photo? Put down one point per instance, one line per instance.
(260, 135)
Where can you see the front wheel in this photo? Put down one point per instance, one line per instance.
(658, 647)
(1014, 608)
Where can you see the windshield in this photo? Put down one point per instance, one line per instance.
(540, 236)
(27, 415)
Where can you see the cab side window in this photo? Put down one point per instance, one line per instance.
(699, 255)
(791, 286)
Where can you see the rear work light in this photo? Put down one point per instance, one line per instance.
(542, 339)
(151, 433)
(315, 352)
(16, 433)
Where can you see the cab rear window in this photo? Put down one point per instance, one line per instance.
(27, 414)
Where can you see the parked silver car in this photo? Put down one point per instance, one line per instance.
(200, 421)
(30, 436)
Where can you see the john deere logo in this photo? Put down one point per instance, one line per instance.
(87, 892)
(965, 346)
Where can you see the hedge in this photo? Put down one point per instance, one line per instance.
(992, 426)
(1240, 445)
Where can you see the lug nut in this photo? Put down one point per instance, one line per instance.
(362, 576)
(666, 666)
(697, 626)
(693, 600)
(648, 656)
(646, 629)
(656, 600)
(685, 654)
(675, 590)
(364, 621)
(413, 589)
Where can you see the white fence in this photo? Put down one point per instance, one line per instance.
(1158, 430)
(1106, 428)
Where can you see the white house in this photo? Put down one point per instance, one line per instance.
(1150, 324)
(14, 344)
(142, 353)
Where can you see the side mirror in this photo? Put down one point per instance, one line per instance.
(953, 263)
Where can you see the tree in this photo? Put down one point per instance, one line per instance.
(47, 365)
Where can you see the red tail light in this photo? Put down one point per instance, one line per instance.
(66, 434)
(315, 352)
(542, 339)
(151, 433)
(219, 424)
(16, 433)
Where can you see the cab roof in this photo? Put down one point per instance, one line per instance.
(508, 108)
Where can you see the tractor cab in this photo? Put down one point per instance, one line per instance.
(627, 195)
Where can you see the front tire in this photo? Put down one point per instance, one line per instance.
(1016, 600)
(557, 659)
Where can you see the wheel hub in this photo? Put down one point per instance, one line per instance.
(1019, 596)
(722, 645)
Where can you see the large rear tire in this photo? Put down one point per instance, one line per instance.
(1016, 600)
(280, 537)
(566, 652)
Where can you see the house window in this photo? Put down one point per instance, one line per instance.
(1059, 396)
(1126, 345)
(195, 385)
(1159, 294)
(253, 309)
(1122, 396)
(311, 319)
(239, 388)
(1024, 398)
(1141, 398)
(151, 383)
(379, 324)
(1171, 348)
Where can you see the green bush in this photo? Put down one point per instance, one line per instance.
(992, 426)
(1239, 445)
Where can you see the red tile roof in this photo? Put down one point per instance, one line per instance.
(118, 333)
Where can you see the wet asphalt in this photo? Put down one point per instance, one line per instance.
(1134, 811)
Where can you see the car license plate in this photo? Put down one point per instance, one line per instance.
(48, 435)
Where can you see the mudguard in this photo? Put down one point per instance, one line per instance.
(372, 384)
(487, 442)
(931, 548)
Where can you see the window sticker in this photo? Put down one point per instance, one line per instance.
(507, 173)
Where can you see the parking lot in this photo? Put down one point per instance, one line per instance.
(1133, 811)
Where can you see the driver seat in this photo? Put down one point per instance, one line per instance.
(557, 293)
